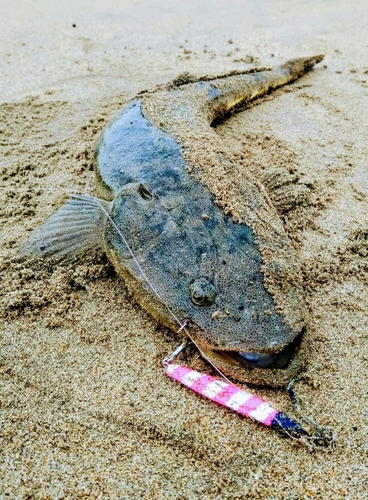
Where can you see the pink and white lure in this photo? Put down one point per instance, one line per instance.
(227, 394)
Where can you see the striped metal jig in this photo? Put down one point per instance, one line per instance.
(250, 405)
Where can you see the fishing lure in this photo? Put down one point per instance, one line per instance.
(225, 393)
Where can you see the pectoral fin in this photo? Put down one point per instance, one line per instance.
(75, 227)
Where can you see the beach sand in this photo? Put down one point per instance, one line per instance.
(86, 411)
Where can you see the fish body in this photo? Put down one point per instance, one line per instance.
(166, 232)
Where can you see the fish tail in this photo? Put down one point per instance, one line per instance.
(230, 93)
(293, 69)
(77, 226)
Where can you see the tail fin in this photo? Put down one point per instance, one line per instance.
(226, 94)
(75, 227)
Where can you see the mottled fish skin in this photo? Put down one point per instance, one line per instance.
(181, 237)
(175, 245)
(234, 280)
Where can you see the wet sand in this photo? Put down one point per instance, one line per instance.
(86, 411)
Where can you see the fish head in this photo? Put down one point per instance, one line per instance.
(189, 263)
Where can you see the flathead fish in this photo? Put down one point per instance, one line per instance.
(233, 280)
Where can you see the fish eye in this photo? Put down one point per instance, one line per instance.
(202, 292)
(144, 193)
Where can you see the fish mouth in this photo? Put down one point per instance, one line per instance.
(274, 369)
(266, 366)
(266, 360)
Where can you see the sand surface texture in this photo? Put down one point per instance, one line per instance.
(86, 411)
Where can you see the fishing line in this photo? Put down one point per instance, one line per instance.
(155, 291)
